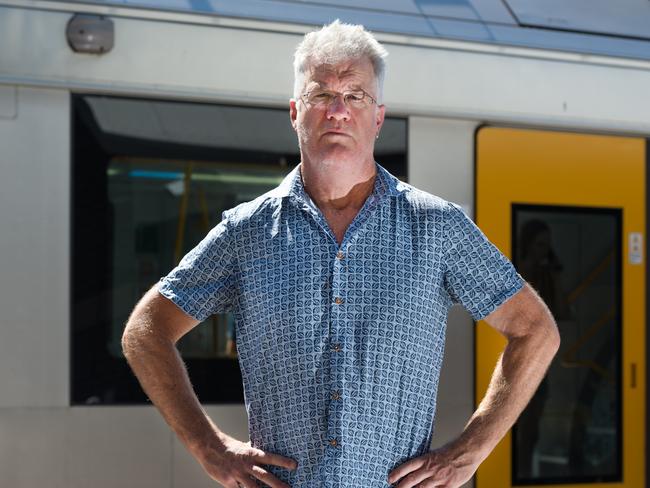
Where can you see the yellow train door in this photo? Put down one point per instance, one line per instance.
(569, 210)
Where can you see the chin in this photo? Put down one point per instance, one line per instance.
(339, 157)
(339, 151)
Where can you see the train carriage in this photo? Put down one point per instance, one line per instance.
(128, 126)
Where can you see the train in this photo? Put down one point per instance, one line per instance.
(128, 126)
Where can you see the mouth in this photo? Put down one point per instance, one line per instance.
(336, 132)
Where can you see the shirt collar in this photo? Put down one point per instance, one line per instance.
(385, 185)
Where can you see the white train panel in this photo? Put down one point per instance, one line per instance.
(35, 257)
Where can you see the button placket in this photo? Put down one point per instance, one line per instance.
(336, 350)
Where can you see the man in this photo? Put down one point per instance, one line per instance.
(340, 280)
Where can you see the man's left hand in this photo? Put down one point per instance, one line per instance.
(443, 467)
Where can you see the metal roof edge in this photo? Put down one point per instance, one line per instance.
(300, 29)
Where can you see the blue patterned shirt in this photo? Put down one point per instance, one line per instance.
(340, 347)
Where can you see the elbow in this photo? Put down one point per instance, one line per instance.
(140, 338)
(131, 340)
(555, 340)
(127, 341)
(544, 336)
(547, 330)
(552, 338)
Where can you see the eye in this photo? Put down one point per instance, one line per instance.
(354, 97)
(321, 96)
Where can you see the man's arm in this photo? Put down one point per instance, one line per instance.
(533, 340)
(149, 345)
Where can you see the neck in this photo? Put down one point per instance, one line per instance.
(334, 189)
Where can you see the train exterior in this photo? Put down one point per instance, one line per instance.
(127, 127)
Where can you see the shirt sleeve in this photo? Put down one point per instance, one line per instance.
(477, 275)
(205, 281)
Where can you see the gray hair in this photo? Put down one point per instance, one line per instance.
(335, 43)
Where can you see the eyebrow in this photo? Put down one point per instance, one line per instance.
(355, 87)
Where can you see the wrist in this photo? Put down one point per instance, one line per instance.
(212, 442)
(472, 446)
(466, 452)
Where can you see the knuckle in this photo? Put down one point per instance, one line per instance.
(261, 472)
(230, 482)
(257, 453)
(410, 478)
(446, 472)
(431, 462)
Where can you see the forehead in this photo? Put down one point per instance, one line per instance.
(354, 71)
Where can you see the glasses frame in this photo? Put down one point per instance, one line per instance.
(305, 95)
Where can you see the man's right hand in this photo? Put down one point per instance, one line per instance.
(149, 344)
(237, 463)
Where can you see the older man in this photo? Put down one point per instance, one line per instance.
(340, 280)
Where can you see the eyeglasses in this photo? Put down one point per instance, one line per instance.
(352, 99)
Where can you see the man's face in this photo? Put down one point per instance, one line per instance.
(338, 134)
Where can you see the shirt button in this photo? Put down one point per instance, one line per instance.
(336, 395)
(338, 300)
(333, 442)
(336, 347)
(340, 255)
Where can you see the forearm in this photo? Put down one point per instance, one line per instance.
(516, 377)
(162, 374)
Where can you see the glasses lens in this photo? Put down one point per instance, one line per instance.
(322, 99)
(356, 99)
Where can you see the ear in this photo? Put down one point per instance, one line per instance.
(293, 112)
(381, 113)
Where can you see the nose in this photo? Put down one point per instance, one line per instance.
(338, 110)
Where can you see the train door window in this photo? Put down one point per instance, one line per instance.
(150, 178)
(569, 209)
(570, 432)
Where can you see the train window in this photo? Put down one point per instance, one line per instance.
(571, 430)
(150, 178)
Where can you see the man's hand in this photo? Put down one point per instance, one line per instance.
(533, 340)
(149, 340)
(440, 467)
(237, 463)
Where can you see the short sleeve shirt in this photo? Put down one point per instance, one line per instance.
(340, 346)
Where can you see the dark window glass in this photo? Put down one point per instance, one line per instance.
(571, 430)
(150, 178)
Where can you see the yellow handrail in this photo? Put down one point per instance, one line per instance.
(578, 290)
(182, 214)
(569, 359)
